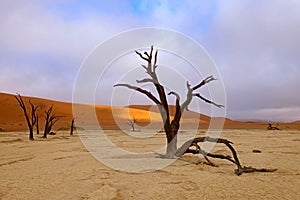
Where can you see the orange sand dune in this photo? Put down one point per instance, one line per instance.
(12, 117)
(147, 116)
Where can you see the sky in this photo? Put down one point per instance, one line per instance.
(255, 45)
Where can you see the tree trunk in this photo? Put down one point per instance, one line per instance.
(72, 127)
(46, 129)
(172, 137)
(172, 144)
(31, 133)
(171, 134)
(37, 125)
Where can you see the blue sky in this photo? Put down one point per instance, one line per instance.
(255, 45)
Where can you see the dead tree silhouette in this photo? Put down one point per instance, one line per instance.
(171, 127)
(271, 127)
(72, 126)
(31, 118)
(50, 120)
(132, 124)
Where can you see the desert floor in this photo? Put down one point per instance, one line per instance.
(61, 168)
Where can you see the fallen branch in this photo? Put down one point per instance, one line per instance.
(186, 148)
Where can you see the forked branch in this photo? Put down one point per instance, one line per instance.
(190, 95)
(151, 65)
(33, 113)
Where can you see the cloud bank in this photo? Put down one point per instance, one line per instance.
(255, 45)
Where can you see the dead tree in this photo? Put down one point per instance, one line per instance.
(30, 118)
(132, 124)
(270, 127)
(171, 127)
(72, 126)
(50, 120)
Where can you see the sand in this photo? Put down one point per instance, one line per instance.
(61, 168)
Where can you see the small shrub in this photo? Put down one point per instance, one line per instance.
(64, 128)
(67, 128)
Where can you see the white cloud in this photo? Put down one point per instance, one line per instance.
(42, 51)
(254, 43)
(255, 46)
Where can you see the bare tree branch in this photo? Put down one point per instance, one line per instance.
(151, 51)
(151, 67)
(144, 66)
(146, 53)
(53, 119)
(146, 80)
(141, 56)
(189, 96)
(175, 123)
(147, 93)
(185, 149)
(208, 101)
(155, 60)
(33, 113)
(205, 81)
(175, 94)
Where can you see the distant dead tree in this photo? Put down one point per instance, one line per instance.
(132, 124)
(271, 127)
(30, 117)
(72, 126)
(171, 127)
(50, 120)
